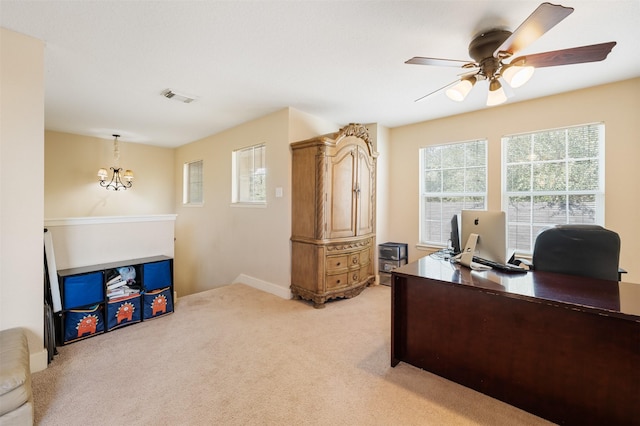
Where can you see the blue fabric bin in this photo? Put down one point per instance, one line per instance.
(82, 323)
(156, 275)
(157, 303)
(83, 290)
(123, 311)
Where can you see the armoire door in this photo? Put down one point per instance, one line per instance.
(340, 197)
(350, 201)
(365, 188)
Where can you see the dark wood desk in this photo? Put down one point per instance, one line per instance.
(562, 347)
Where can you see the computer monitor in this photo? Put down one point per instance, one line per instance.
(491, 228)
(455, 234)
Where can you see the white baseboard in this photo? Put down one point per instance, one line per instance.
(277, 290)
(39, 360)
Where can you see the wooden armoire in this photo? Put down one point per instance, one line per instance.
(333, 215)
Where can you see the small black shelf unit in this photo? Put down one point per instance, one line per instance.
(89, 308)
(390, 256)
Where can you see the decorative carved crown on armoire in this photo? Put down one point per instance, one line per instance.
(333, 215)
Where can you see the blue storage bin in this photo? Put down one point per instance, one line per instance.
(123, 311)
(156, 275)
(157, 303)
(82, 323)
(83, 290)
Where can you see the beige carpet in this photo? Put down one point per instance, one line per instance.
(238, 356)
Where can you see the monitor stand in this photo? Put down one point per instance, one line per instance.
(466, 257)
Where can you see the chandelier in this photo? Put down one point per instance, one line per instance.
(118, 181)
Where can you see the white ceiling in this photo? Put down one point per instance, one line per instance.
(107, 61)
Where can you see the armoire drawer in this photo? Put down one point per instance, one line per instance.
(358, 275)
(336, 263)
(338, 280)
(365, 256)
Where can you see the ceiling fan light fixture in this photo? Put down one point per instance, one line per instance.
(490, 48)
(517, 75)
(461, 89)
(496, 94)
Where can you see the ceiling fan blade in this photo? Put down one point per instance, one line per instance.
(472, 71)
(436, 91)
(418, 60)
(545, 17)
(576, 55)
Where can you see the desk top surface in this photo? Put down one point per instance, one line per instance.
(599, 296)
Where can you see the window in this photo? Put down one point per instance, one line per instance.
(249, 175)
(192, 183)
(452, 177)
(552, 177)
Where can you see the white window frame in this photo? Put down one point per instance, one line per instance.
(444, 219)
(245, 179)
(535, 226)
(193, 183)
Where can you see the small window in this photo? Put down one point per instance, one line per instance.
(192, 183)
(249, 175)
(552, 177)
(453, 177)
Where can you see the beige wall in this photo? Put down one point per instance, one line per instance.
(219, 243)
(617, 105)
(21, 188)
(305, 126)
(381, 143)
(71, 182)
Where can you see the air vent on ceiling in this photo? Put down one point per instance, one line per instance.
(170, 94)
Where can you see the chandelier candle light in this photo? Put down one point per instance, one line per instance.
(118, 182)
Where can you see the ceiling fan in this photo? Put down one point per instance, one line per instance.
(492, 52)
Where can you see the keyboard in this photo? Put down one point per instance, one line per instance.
(505, 267)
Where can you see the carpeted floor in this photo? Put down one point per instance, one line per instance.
(239, 356)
